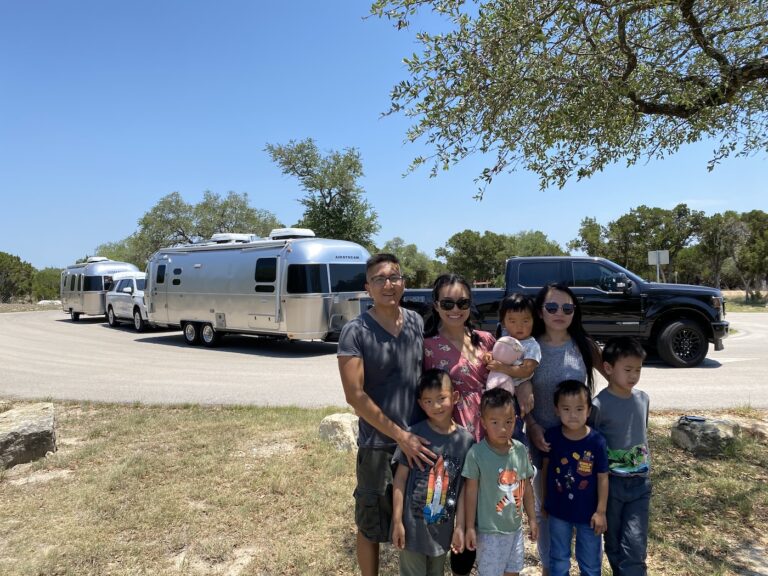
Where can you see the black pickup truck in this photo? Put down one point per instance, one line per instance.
(675, 320)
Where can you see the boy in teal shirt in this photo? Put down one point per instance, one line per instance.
(498, 476)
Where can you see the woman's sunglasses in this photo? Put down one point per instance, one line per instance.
(462, 303)
(553, 307)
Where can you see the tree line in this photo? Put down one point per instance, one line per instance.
(728, 250)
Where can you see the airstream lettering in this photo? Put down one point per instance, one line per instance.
(289, 285)
(83, 286)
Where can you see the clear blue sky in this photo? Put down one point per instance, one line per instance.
(107, 106)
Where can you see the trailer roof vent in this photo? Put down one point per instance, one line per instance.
(288, 233)
(96, 259)
(230, 238)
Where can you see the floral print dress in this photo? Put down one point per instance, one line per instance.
(468, 376)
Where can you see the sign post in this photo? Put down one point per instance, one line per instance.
(658, 257)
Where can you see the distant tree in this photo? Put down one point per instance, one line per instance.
(126, 250)
(718, 238)
(231, 214)
(482, 258)
(45, 284)
(334, 203)
(173, 221)
(15, 277)
(419, 270)
(750, 257)
(566, 88)
(590, 239)
(628, 239)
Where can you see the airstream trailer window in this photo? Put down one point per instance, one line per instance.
(93, 284)
(347, 277)
(79, 282)
(160, 276)
(307, 279)
(72, 283)
(266, 272)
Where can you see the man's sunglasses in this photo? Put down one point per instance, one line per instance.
(462, 303)
(553, 307)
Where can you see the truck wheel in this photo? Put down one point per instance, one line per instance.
(682, 344)
(138, 321)
(191, 333)
(209, 336)
(111, 320)
(74, 315)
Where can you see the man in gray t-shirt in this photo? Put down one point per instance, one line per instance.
(380, 358)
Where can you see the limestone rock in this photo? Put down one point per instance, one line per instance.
(27, 433)
(707, 437)
(340, 430)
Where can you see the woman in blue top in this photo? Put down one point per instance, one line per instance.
(567, 353)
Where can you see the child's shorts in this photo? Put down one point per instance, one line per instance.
(500, 553)
(373, 494)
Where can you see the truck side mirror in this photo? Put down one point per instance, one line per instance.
(128, 289)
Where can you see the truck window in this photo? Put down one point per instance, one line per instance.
(593, 275)
(307, 279)
(537, 274)
(141, 283)
(347, 277)
(265, 274)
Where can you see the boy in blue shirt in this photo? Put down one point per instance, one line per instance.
(425, 502)
(620, 413)
(575, 483)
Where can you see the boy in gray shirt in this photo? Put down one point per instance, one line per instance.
(426, 502)
(620, 413)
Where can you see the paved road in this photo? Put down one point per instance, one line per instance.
(45, 355)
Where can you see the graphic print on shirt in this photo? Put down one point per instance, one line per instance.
(565, 479)
(512, 489)
(435, 494)
(627, 462)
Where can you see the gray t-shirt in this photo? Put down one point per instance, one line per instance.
(431, 495)
(557, 363)
(531, 351)
(624, 423)
(391, 370)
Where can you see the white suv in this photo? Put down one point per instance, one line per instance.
(125, 300)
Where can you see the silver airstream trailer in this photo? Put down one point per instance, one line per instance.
(83, 286)
(290, 285)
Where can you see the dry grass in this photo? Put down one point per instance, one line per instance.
(252, 491)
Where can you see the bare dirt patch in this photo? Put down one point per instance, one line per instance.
(27, 307)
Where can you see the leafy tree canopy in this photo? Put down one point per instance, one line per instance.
(628, 239)
(174, 221)
(419, 270)
(482, 257)
(45, 284)
(15, 277)
(334, 203)
(565, 88)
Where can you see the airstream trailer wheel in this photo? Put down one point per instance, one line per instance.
(191, 333)
(138, 321)
(74, 315)
(209, 336)
(111, 320)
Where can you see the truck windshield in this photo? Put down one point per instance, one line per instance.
(347, 277)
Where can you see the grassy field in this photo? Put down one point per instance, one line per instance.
(252, 491)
